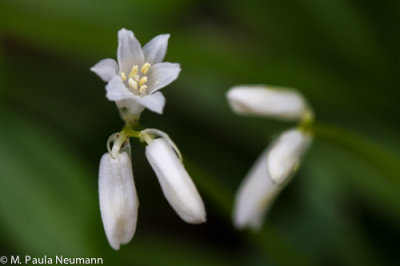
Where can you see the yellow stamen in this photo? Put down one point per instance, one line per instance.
(142, 89)
(133, 71)
(145, 68)
(142, 81)
(132, 84)
(123, 76)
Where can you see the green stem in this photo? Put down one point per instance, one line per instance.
(130, 132)
(384, 161)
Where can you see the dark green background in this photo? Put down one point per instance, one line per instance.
(343, 206)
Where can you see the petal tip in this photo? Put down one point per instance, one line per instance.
(200, 219)
(115, 246)
(160, 110)
(165, 35)
(123, 30)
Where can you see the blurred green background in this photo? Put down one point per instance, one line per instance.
(342, 207)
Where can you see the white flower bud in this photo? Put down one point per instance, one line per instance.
(285, 154)
(255, 196)
(118, 199)
(280, 103)
(175, 182)
(267, 177)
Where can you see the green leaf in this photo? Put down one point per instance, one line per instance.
(46, 198)
(384, 161)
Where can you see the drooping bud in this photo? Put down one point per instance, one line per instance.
(255, 196)
(285, 154)
(280, 103)
(118, 198)
(267, 177)
(175, 182)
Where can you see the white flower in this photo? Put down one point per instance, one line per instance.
(285, 154)
(118, 199)
(267, 176)
(175, 182)
(255, 196)
(281, 103)
(134, 82)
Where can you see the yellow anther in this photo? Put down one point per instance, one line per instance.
(142, 89)
(123, 76)
(133, 71)
(132, 84)
(142, 81)
(145, 68)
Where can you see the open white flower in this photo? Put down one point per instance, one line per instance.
(275, 102)
(175, 182)
(285, 154)
(118, 199)
(134, 81)
(267, 177)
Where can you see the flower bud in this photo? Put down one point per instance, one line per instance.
(175, 182)
(285, 154)
(255, 196)
(118, 199)
(267, 177)
(280, 103)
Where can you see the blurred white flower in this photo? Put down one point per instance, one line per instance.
(175, 182)
(274, 102)
(134, 81)
(285, 154)
(118, 199)
(267, 177)
(254, 196)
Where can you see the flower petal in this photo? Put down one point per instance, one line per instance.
(162, 74)
(155, 50)
(106, 69)
(129, 51)
(285, 104)
(154, 102)
(175, 182)
(129, 109)
(285, 154)
(255, 196)
(117, 91)
(118, 199)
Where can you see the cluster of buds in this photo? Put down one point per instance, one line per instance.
(133, 84)
(277, 164)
